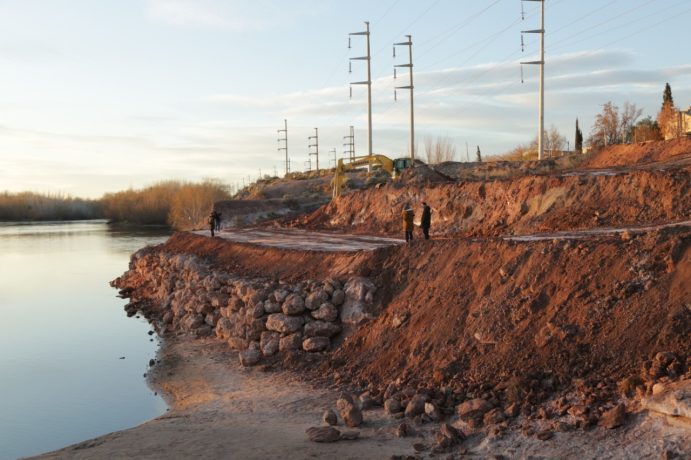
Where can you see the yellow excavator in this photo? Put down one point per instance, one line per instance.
(393, 167)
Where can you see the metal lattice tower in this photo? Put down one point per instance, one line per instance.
(314, 138)
(408, 65)
(367, 82)
(284, 146)
(350, 143)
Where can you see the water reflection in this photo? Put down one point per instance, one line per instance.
(63, 333)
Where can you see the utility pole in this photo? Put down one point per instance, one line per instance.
(409, 65)
(314, 138)
(350, 143)
(335, 160)
(541, 63)
(367, 82)
(284, 146)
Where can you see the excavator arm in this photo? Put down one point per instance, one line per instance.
(345, 165)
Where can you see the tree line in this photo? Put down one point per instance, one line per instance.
(178, 204)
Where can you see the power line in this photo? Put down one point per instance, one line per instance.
(610, 29)
(607, 21)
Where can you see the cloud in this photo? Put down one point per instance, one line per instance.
(236, 15)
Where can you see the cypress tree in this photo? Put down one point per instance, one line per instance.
(578, 144)
(667, 95)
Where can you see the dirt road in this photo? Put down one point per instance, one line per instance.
(291, 238)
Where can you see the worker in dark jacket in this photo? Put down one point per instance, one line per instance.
(211, 220)
(426, 219)
(408, 218)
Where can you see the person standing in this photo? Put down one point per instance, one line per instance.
(217, 220)
(426, 219)
(211, 220)
(408, 218)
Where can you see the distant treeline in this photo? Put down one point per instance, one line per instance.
(182, 205)
(29, 206)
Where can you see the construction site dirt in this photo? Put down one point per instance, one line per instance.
(548, 301)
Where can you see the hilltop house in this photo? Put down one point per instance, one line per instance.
(681, 125)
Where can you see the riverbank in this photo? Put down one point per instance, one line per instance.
(218, 409)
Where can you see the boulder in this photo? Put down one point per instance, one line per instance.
(672, 399)
(614, 417)
(321, 329)
(272, 307)
(338, 297)
(293, 305)
(285, 324)
(330, 417)
(351, 415)
(250, 357)
(238, 343)
(191, 321)
(258, 310)
(290, 342)
(326, 312)
(280, 295)
(314, 344)
(323, 434)
(313, 301)
(448, 436)
(393, 406)
(473, 408)
(359, 287)
(416, 406)
(432, 412)
(366, 401)
(269, 343)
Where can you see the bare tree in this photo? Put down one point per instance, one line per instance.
(627, 120)
(555, 142)
(612, 128)
(439, 150)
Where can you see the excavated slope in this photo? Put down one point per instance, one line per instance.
(517, 206)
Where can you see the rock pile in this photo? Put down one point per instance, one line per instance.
(260, 318)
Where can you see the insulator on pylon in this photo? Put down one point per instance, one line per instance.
(348, 42)
(351, 92)
(394, 73)
(394, 51)
(395, 95)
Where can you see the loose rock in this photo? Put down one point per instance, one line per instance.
(330, 417)
(314, 344)
(323, 434)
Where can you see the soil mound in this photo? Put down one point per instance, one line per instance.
(643, 152)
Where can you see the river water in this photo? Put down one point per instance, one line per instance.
(71, 362)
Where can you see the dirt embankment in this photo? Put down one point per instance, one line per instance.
(676, 151)
(518, 206)
(468, 315)
(496, 316)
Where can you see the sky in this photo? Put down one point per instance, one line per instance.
(98, 96)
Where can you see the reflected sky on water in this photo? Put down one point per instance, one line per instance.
(63, 332)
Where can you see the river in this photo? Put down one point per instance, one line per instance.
(71, 362)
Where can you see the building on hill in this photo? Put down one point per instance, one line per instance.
(682, 125)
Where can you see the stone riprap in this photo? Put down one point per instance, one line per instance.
(182, 293)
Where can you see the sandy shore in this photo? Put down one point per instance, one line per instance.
(221, 410)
